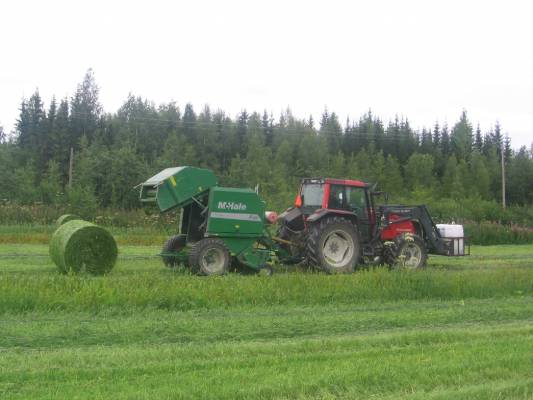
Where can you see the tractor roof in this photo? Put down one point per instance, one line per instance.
(334, 181)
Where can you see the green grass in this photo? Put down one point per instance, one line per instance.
(462, 329)
(395, 350)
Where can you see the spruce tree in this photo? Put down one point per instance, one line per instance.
(85, 109)
(268, 130)
(508, 151)
(478, 142)
(436, 136)
(445, 141)
(461, 138)
(497, 137)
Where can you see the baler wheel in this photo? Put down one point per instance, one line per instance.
(412, 251)
(333, 245)
(173, 244)
(210, 256)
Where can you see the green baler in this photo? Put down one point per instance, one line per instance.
(219, 227)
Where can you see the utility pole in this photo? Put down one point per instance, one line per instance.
(70, 165)
(503, 178)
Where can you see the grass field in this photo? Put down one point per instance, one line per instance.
(462, 329)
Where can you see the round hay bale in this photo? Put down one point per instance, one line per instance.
(79, 246)
(66, 218)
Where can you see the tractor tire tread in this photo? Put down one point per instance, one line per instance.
(199, 247)
(313, 239)
(419, 241)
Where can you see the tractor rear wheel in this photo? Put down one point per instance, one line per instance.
(333, 245)
(173, 244)
(412, 251)
(210, 257)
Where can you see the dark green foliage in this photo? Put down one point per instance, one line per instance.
(114, 152)
(490, 234)
(79, 246)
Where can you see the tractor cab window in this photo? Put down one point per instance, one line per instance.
(347, 198)
(312, 194)
(356, 198)
(336, 200)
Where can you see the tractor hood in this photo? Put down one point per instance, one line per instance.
(177, 186)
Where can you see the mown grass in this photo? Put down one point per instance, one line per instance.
(476, 349)
(25, 292)
(462, 329)
(32, 284)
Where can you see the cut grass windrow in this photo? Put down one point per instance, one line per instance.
(444, 350)
(49, 292)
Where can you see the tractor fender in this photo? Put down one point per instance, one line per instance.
(293, 218)
(325, 213)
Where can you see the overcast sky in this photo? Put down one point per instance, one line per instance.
(426, 60)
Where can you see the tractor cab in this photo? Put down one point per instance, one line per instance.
(320, 196)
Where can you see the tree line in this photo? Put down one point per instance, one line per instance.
(113, 152)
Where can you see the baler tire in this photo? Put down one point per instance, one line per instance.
(204, 251)
(174, 243)
(408, 243)
(321, 231)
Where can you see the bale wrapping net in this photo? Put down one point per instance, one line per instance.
(80, 246)
(66, 218)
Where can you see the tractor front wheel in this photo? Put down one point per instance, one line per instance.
(173, 245)
(412, 251)
(210, 257)
(333, 245)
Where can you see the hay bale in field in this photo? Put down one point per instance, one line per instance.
(82, 246)
(66, 218)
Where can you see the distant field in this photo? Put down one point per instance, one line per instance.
(462, 329)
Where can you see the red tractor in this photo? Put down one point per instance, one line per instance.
(335, 226)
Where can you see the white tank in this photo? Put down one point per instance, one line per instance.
(455, 234)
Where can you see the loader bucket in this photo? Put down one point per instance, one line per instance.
(176, 187)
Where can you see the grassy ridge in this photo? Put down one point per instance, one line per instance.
(411, 350)
(164, 291)
(58, 329)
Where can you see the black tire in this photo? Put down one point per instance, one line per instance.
(210, 256)
(321, 238)
(294, 250)
(411, 251)
(174, 243)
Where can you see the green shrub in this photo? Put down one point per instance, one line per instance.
(488, 233)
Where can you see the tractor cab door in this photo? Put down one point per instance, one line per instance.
(356, 200)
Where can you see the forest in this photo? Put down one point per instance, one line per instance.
(455, 169)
